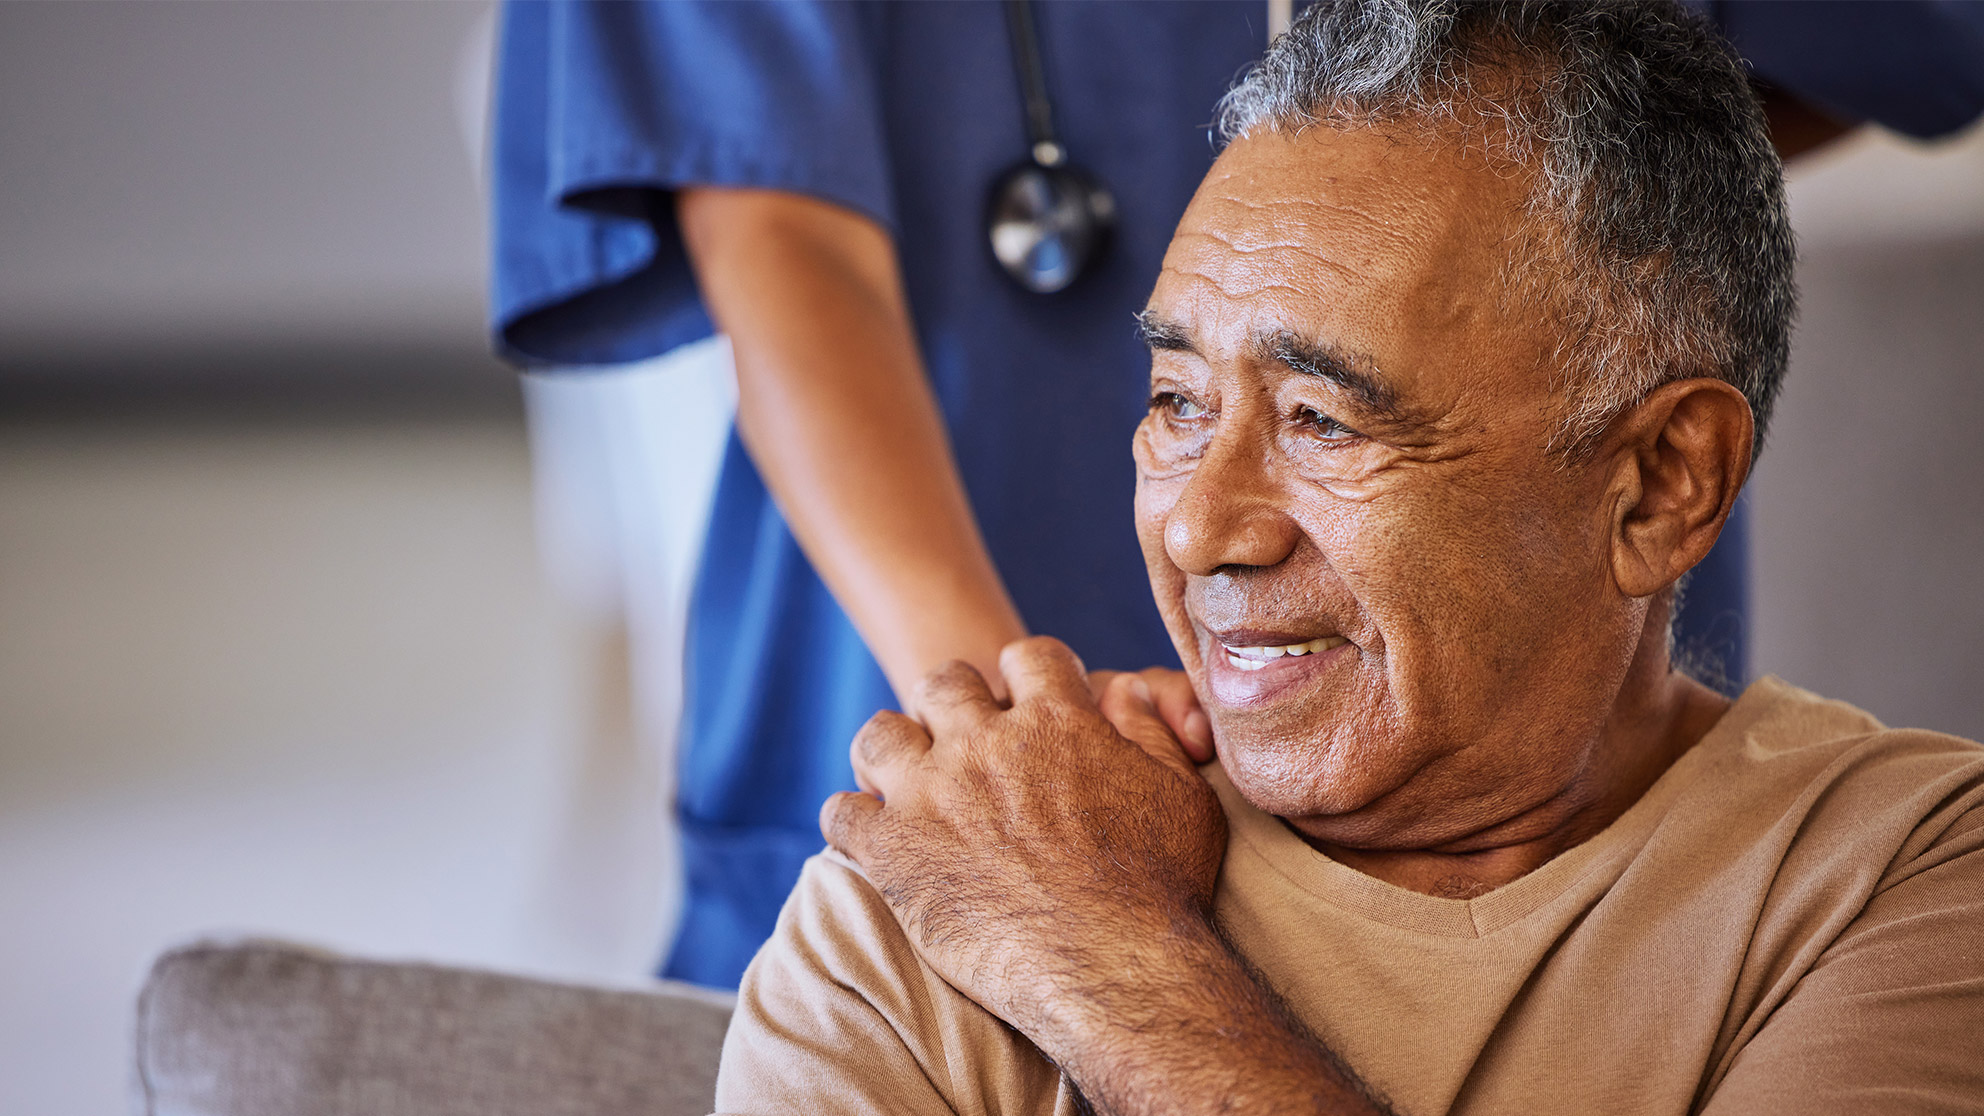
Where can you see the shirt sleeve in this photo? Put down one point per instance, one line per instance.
(837, 1015)
(1891, 1017)
(604, 108)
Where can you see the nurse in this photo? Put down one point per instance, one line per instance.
(930, 454)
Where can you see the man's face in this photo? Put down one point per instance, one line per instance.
(1394, 600)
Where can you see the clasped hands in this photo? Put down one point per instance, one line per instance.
(1041, 853)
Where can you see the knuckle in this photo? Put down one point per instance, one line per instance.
(830, 821)
(883, 730)
(1038, 651)
(1046, 649)
(949, 678)
(840, 818)
(863, 747)
(890, 722)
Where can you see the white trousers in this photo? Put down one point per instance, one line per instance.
(624, 463)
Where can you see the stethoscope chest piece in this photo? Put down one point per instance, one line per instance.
(1049, 223)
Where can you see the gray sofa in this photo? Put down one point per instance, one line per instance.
(269, 1029)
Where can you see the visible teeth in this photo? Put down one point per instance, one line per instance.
(1255, 658)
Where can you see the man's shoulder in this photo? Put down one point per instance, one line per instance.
(1774, 717)
(1785, 746)
(837, 931)
(1858, 852)
(834, 903)
(837, 1013)
(1828, 809)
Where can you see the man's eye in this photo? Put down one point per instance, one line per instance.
(1178, 406)
(1329, 429)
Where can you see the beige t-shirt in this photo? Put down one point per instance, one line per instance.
(1791, 920)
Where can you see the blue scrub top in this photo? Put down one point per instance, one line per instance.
(906, 113)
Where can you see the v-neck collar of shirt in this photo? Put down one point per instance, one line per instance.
(1258, 833)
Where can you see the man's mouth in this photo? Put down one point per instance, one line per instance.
(1255, 665)
(1258, 657)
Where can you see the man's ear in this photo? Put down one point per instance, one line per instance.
(1683, 454)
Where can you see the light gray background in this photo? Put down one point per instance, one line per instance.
(300, 672)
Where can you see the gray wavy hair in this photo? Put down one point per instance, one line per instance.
(1660, 195)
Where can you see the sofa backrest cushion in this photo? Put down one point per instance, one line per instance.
(269, 1029)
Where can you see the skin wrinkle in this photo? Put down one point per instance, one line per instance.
(1538, 274)
(1234, 292)
(1412, 436)
(1296, 214)
(1401, 221)
(1272, 265)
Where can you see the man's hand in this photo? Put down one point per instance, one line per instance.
(1020, 844)
(1055, 860)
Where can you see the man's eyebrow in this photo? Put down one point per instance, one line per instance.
(1353, 372)
(1163, 334)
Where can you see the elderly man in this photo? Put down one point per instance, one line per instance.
(1459, 359)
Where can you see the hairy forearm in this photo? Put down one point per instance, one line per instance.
(1191, 1028)
(836, 412)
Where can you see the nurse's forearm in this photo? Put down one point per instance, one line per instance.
(835, 409)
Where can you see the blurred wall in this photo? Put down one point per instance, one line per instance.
(277, 655)
(1869, 498)
(240, 191)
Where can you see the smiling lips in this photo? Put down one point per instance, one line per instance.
(1258, 658)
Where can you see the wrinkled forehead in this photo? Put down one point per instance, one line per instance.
(1375, 239)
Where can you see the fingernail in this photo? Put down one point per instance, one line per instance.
(1198, 729)
(1139, 689)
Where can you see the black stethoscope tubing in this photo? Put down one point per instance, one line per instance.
(1048, 222)
(1025, 40)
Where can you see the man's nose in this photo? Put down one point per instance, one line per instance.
(1233, 510)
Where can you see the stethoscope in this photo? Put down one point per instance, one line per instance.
(1048, 220)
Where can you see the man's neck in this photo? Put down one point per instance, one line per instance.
(1655, 722)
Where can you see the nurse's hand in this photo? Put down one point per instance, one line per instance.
(1171, 692)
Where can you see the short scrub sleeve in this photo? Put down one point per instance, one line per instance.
(603, 108)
